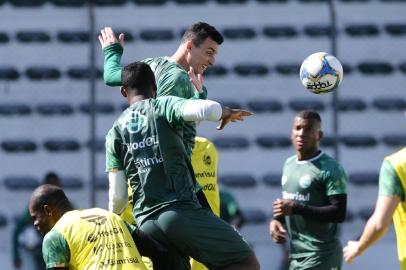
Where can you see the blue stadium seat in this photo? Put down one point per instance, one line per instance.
(347, 68)
(366, 212)
(33, 36)
(80, 73)
(393, 1)
(157, 35)
(238, 180)
(3, 220)
(364, 178)
(15, 109)
(327, 141)
(402, 67)
(390, 104)
(306, 104)
(9, 73)
(234, 104)
(103, 108)
(287, 69)
(27, 3)
(102, 182)
(21, 183)
(51, 109)
(351, 104)
(253, 216)
(43, 73)
(150, 2)
(239, 33)
(315, 31)
(272, 1)
(73, 183)
(61, 145)
(375, 68)
(216, 71)
(362, 30)
(128, 35)
(231, 142)
(68, 3)
(190, 2)
(4, 38)
(21, 145)
(396, 29)
(99, 145)
(394, 140)
(109, 2)
(355, 1)
(280, 31)
(273, 141)
(251, 70)
(313, 1)
(231, 1)
(358, 140)
(73, 36)
(272, 179)
(260, 106)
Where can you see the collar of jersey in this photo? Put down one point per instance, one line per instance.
(309, 160)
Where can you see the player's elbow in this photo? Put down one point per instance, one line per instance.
(108, 81)
(117, 205)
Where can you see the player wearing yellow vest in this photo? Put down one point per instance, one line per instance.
(390, 204)
(81, 239)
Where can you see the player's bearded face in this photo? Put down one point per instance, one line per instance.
(203, 56)
(305, 135)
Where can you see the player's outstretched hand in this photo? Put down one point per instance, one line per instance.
(107, 37)
(350, 251)
(282, 207)
(232, 115)
(277, 231)
(196, 79)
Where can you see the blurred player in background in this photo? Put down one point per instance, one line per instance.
(390, 204)
(314, 200)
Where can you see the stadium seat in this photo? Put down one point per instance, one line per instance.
(396, 29)
(260, 106)
(272, 1)
(362, 30)
(272, 179)
(313, 1)
(347, 68)
(355, 1)
(14, 145)
(8, 73)
(27, 3)
(394, 140)
(157, 35)
(306, 104)
(238, 180)
(73, 36)
(3, 220)
(351, 104)
(231, 142)
(4, 38)
(33, 36)
(402, 67)
(358, 140)
(287, 69)
(189, 2)
(51, 109)
(239, 33)
(327, 141)
(109, 2)
(251, 70)
(390, 104)
(80, 73)
(103, 108)
(216, 71)
(230, 103)
(42, 73)
(364, 178)
(102, 182)
(280, 31)
(253, 216)
(68, 3)
(150, 2)
(231, 1)
(21, 183)
(99, 145)
(273, 141)
(315, 31)
(128, 35)
(374, 68)
(393, 1)
(366, 212)
(73, 183)
(15, 109)
(59, 145)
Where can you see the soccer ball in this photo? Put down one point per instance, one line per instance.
(321, 73)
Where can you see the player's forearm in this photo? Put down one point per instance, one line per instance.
(118, 195)
(373, 231)
(200, 110)
(112, 67)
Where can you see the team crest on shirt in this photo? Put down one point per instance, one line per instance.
(284, 179)
(207, 159)
(305, 181)
(136, 123)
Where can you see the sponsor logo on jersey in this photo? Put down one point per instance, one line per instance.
(207, 160)
(96, 219)
(143, 163)
(132, 121)
(296, 196)
(284, 179)
(209, 187)
(146, 142)
(205, 174)
(305, 181)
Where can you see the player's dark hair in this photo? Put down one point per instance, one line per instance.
(50, 195)
(199, 32)
(138, 77)
(309, 115)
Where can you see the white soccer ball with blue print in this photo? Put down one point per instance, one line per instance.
(321, 73)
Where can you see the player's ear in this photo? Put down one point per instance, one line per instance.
(47, 210)
(189, 45)
(321, 134)
(123, 91)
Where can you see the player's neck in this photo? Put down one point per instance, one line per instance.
(307, 155)
(179, 57)
(136, 98)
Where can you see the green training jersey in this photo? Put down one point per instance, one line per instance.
(171, 80)
(389, 181)
(146, 142)
(310, 182)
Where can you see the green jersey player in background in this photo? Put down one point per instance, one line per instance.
(314, 200)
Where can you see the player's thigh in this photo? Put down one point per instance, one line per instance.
(332, 261)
